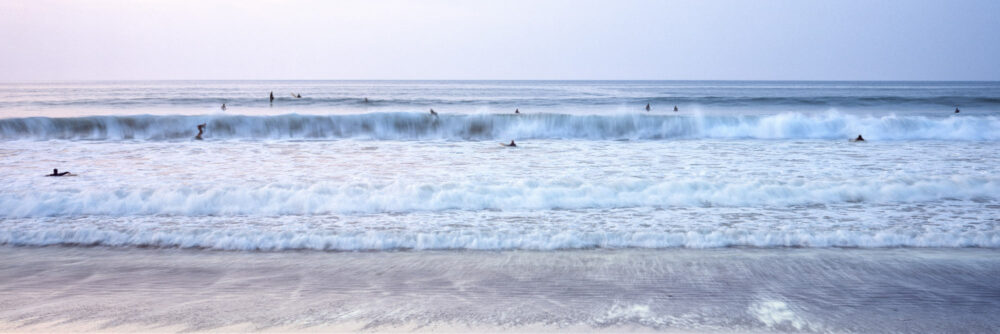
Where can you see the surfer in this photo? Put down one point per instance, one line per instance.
(298, 96)
(55, 172)
(860, 138)
(956, 110)
(517, 111)
(201, 129)
(647, 107)
(223, 107)
(272, 96)
(511, 144)
(675, 108)
(434, 112)
(366, 100)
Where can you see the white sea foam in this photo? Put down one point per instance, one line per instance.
(225, 238)
(563, 193)
(420, 126)
(348, 195)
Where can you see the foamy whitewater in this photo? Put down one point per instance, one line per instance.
(751, 166)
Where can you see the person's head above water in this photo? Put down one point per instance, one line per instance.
(859, 138)
(55, 172)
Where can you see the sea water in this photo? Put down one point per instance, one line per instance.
(743, 175)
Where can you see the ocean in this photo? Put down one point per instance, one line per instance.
(748, 209)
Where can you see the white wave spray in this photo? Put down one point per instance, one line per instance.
(418, 126)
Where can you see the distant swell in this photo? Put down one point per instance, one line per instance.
(715, 101)
(420, 126)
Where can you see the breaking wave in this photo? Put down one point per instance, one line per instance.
(562, 193)
(420, 126)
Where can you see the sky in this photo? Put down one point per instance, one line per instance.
(43, 40)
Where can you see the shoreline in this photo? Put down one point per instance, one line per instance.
(87, 289)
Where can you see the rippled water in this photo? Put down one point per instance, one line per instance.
(604, 215)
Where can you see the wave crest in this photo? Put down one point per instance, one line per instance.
(419, 126)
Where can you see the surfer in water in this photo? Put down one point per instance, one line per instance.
(511, 144)
(298, 96)
(517, 111)
(366, 100)
(272, 96)
(434, 112)
(956, 110)
(675, 108)
(201, 129)
(860, 138)
(648, 108)
(55, 172)
(223, 107)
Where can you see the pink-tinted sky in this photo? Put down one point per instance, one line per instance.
(269, 39)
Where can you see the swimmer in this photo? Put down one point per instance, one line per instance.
(517, 111)
(223, 107)
(956, 110)
(298, 96)
(433, 112)
(55, 172)
(510, 145)
(366, 100)
(647, 107)
(859, 139)
(675, 108)
(272, 96)
(201, 129)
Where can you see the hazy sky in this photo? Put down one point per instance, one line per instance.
(669, 40)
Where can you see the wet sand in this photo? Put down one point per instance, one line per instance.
(83, 289)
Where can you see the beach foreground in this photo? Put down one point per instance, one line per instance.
(70, 289)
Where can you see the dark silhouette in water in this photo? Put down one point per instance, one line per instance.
(223, 107)
(859, 139)
(956, 110)
(511, 144)
(675, 108)
(366, 100)
(201, 129)
(517, 111)
(647, 107)
(272, 96)
(55, 172)
(433, 112)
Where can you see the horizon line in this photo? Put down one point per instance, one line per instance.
(484, 80)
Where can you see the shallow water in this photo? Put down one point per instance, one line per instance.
(546, 194)
(747, 210)
(718, 290)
